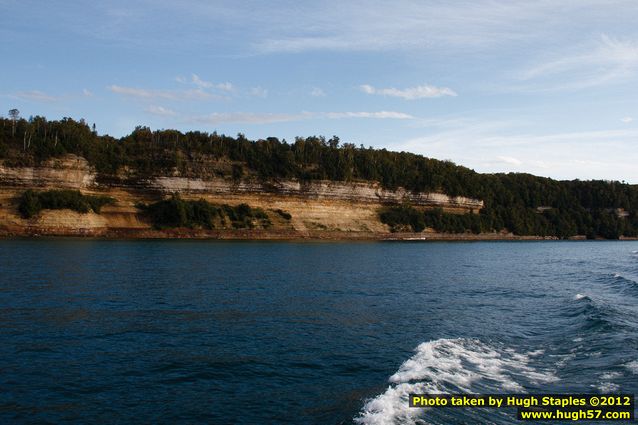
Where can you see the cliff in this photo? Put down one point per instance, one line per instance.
(319, 209)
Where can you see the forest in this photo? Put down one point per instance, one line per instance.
(521, 203)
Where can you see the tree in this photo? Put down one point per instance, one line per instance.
(14, 114)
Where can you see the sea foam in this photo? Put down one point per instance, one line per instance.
(632, 366)
(449, 366)
(607, 387)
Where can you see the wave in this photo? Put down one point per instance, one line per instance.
(610, 375)
(598, 318)
(632, 366)
(607, 387)
(626, 283)
(450, 366)
(592, 314)
(625, 279)
(619, 281)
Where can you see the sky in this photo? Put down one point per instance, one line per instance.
(543, 87)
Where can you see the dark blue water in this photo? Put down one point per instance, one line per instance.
(306, 333)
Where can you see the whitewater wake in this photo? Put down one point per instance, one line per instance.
(450, 366)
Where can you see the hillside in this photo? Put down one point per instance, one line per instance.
(269, 188)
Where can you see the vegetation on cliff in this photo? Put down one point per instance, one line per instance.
(550, 222)
(178, 212)
(406, 218)
(521, 203)
(283, 214)
(32, 202)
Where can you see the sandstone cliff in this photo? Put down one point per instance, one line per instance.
(319, 208)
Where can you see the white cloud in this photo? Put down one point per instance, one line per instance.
(225, 86)
(161, 111)
(378, 115)
(317, 92)
(626, 120)
(259, 92)
(268, 118)
(249, 118)
(336, 25)
(198, 82)
(40, 96)
(509, 160)
(34, 96)
(504, 147)
(606, 60)
(410, 93)
(417, 25)
(136, 92)
(367, 89)
(201, 83)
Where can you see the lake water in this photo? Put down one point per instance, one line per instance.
(307, 333)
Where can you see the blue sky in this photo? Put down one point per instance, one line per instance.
(546, 87)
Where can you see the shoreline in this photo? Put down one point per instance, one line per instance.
(265, 235)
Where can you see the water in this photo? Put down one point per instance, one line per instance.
(306, 333)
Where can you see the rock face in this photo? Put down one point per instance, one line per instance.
(69, 172)
(74, 172)
(319, 208)
(323, 190)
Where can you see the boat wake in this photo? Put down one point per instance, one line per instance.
(451, 366)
